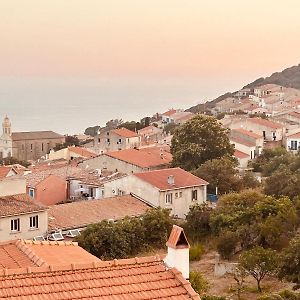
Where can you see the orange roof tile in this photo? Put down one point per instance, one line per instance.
(16, 204)
(55, 253)
(159, 178)
(124, 132)
(242, 141)
(82, 152)
(247, 133)
(142, 158)
(82, 213)
(138, 278)
(177, 238)
(169, 113)
(4, 170)
(265, 123)
(240, 154)
(11, 257)
(295, 135)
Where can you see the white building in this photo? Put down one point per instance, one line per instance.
(5, 139)
(173, 188)
(293, 142)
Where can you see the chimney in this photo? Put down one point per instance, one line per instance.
(178, 251)
(171, 180)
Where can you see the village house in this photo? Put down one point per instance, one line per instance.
(130, 160)
(34, 145)
(115, 139)
(21, 218)
(172, 188)
(71, 153)
(242, 158)
(7, 171)
(80, 214)
(166, 116)
(293, 142)
(148, 277)
(150, 134)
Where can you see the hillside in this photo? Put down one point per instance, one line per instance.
(289, 77)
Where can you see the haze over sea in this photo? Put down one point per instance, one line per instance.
(68, 106)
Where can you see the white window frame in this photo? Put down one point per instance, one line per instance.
(33, 192)
(196, 193)
(34, 222)
(169, 198)
(15, 225)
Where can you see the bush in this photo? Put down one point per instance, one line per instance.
(208, 297)
(270, 297)
(289, 295)
(198, 282)
(226, 244)
(196, 252)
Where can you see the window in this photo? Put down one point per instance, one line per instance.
(15, 225)
(34, 222)
(194, 195)
(108, 140)
(180, 194)
(169, 198)
(120, 192)
(31, 146)
(119, 141)
(294, 145)
(176, 195)
(99, 140)
(31, 193)
(42, 147)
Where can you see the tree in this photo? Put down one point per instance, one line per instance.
(259, 262)
(69, 141)
(113, 124)
(226, 244)
(14, 161)
(221, 174)
(198, 140)
(92, 131)
(198, 282)
(290, 262)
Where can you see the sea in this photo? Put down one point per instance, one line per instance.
(70, 105)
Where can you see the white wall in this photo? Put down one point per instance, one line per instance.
(12, 186)
(25, 231)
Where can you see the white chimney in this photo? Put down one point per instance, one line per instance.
(171, 180)
(178, 251)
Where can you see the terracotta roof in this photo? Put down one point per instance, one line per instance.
(177, 238)
(240, 154)
(169, 113)
(4, 170)
(25, 253)
(142, 158)
(295, 135)
(13, 205)
(294, 114)
(12, 257)
(242, 141)
(83, 152)
(248, 133)
(82, 213)
(35, 135)
(159, 178)
(137, 278)
(265, 123)
(124, 132)
(55, 253)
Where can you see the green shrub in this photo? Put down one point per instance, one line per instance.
(198, 282)
(208, 297)
(196, 252)
(226, 244)
(270, 297)
(289, 295)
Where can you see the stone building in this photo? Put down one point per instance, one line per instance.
(35, 144)
(5, 139)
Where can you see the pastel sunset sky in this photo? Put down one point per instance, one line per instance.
(215, 42)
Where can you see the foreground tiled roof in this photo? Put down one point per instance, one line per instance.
(124, 132)
(82, 213)
(143, 159)
(159, 178)
(127, 279)
(11, 257)
(15, 205)
(25, 253)
(82, 152)
(55, 253)
(35, 135)
(4, 170)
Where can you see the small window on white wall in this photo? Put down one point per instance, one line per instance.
(15, 225)
(169, 198)
(34, 222)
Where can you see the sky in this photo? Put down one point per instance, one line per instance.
(130, 58)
